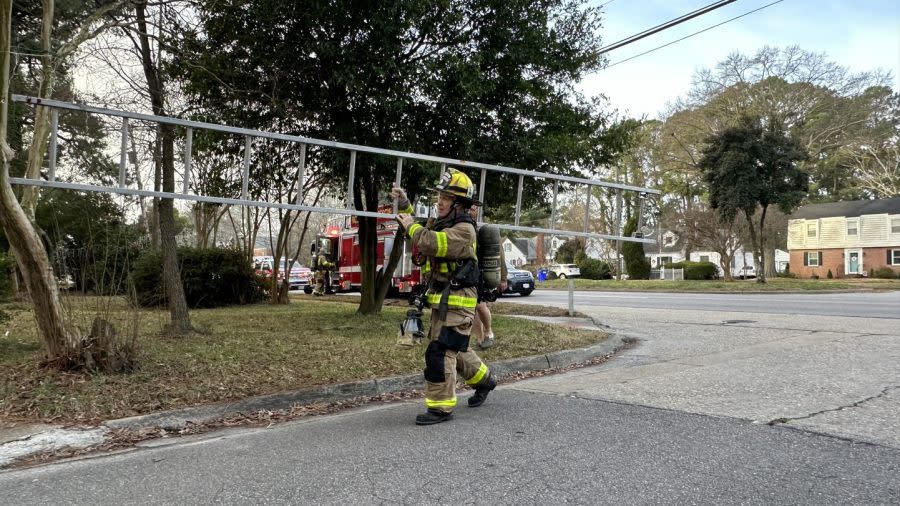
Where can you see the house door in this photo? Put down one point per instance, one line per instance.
(853, 262)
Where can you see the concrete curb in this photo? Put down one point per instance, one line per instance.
(343, 391)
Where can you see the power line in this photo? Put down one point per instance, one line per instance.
(695, 33)
(668, 24)
(604, 4)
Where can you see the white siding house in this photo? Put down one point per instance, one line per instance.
(513, 254)
(668, 249)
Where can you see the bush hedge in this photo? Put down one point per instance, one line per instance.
(883, 273)
(591, 268)
(695, 270)
(212, 277)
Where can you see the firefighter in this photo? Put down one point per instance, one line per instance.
(451, 269)
(322, 266)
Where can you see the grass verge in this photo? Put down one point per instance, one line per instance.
(737, 286)
(240, 352)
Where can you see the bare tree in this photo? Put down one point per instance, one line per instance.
(877, 167)
(178, 311)
(704, 228)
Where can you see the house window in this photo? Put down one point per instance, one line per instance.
(669, 240)
(507, 247)
(810, 230)
(704, 258)
(895, 257)
(852, 227)
(895, 225)
(812, 258)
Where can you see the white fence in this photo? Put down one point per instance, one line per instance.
(667, 274)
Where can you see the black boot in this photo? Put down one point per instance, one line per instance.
(432, 417)
(481, 391)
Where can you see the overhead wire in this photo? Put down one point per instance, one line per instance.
(665, 26)
(695, 33)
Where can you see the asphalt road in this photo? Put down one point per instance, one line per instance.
(524, 448)
(710, 407)
(860, 305)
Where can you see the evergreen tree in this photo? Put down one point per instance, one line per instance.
(749, 168)
(636, 264)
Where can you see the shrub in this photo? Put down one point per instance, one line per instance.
(883, 273)
(591, 268)
(212, 277)
(830, 275)
(695, 270)
(568, 251)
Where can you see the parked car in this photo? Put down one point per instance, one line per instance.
(518, 281)
(563, 271)
(745, 272)
(298, 277)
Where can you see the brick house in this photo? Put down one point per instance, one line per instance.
(848, 238)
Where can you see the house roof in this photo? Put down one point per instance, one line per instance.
(660, 245)
(515, 245)
(848, 208)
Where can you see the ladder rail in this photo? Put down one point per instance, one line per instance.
(250, 134)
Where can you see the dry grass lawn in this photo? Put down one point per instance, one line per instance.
(238, 352)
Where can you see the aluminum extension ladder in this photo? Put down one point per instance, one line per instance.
(248, 134)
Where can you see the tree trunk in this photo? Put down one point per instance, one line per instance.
(368, 244)
(41, 135)
(178, 310)
(754, 244)
(31, 257)
(759, 252)
(769, 256)
(280, 290)
(374, 285)
(725, 263)
(157, 186)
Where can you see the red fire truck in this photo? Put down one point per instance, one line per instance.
(344, 246)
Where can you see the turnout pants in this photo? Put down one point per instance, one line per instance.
(449, 353)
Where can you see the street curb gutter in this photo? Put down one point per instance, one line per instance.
(176, 419)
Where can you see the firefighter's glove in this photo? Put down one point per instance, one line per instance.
(405, 220)
(399, 194)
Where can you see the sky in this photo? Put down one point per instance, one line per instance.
(860, 34)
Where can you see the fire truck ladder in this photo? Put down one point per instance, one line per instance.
(248, 134)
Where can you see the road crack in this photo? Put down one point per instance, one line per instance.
(839, 408)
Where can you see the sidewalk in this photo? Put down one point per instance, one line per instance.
(18, 441)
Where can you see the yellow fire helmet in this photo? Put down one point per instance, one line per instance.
(458, 184)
